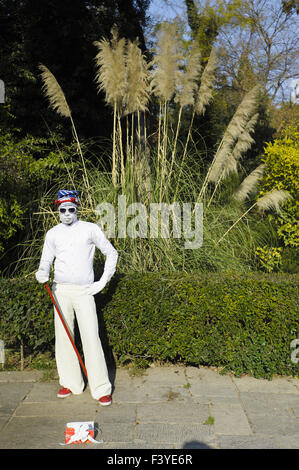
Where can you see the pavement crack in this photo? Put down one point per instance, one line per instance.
(242, 405)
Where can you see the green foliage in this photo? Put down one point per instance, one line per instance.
(290, 260)
(11, 214)
(15, 175)
(240, 323)
(282, 160)
(269, 258)
(206, 22)
(27, 166)
(26, 315)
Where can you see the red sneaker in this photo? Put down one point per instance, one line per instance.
(64, 392)
(105, 401)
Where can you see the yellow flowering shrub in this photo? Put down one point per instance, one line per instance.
(282, 172)
(269, 258)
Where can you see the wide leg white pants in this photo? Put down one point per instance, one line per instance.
(73, 299)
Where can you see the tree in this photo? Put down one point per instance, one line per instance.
(289, 5)
(268, 37)
(60, 35)
(207, 22)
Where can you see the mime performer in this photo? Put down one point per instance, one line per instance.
(72, 243)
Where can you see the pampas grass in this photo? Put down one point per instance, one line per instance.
(249, 184)
(137, 91)
(123, 74)
(166, 63)
(187, 82)
(243, 144)
(111, 78)
(111, 69)
(205, 91)
(231, 159)
(136, 100)
(234, 131)
(128, 83)
(58, 103)
(54, 93)
(186, 88)
(203, 95)
(271, 200)
(165, 75)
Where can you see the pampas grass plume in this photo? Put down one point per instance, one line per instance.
(137, 79)
(233, 132)
(166, 63)
(111, 68)
(54, 93)
(272, 200)
(249, 184)
(205, 91)
(187, 81)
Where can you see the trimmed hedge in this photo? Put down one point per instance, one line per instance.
(240, 323)
(26, 315)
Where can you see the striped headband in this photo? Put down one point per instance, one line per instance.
(66, 195)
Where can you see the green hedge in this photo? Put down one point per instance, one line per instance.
(241, 323)
(26, 315)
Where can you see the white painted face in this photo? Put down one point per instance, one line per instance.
(68, 213)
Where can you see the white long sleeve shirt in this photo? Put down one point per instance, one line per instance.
(73, 246)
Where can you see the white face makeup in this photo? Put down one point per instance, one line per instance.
(68, 213)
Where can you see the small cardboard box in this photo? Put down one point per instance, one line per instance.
(79, 432)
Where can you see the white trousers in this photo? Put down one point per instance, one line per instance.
(72, 299)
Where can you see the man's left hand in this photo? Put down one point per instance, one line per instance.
(96, 287)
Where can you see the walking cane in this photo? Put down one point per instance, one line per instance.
(66, 329)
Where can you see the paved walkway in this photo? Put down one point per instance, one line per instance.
(172, 407)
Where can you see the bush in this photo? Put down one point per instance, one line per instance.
(26, 315)
(282, 162)
(240, 323)
(27, 166)
(236, 322)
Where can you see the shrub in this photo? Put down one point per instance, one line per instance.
(282, 163)
(26, 315)
(237, 322)
(240, 323)
(27, 165)
(269, 258)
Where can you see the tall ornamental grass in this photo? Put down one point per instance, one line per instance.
(156, 166)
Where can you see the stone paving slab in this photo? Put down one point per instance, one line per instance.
(157, 433)
(273, 425)
(69, 409)
(277, 385)
(11, 395)
(22, 376)
(164, 408)
(276, 404)
(33, 433)
(207, 382)
(230, 419)
(172, 413)
(258, 441)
